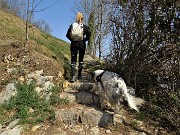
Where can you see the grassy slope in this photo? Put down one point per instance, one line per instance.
(13, 29)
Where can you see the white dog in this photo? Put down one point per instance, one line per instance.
(113, 89)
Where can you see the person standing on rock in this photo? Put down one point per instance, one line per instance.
(78, 33)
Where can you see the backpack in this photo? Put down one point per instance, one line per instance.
(77, 32)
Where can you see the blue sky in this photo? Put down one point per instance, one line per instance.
(59, 16)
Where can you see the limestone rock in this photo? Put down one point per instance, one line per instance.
(87, 116)
(10, 90)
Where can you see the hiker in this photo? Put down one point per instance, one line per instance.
(78, 33)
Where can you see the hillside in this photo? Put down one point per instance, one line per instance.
(43, 53)
(41, 46)
(59, 108)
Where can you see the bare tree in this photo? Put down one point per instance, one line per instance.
(43, 26)
(32, 6)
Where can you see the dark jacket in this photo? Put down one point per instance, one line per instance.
(86, 35)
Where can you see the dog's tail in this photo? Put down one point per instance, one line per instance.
(134, 102)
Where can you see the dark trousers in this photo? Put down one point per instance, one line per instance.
(74, 53)
(77, 47)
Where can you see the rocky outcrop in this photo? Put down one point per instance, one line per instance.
(43, 84)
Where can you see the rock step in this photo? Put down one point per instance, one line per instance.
(87, 111)
(80, 96)
(81, 86)
(87, 116)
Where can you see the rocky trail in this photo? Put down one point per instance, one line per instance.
(82, 116)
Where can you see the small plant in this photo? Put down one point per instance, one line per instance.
(28, 105)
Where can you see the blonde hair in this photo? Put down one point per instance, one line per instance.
(79, 17)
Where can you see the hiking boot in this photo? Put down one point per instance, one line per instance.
(73, 79)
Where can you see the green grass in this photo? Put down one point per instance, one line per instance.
(25, 100)
(28, 99)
